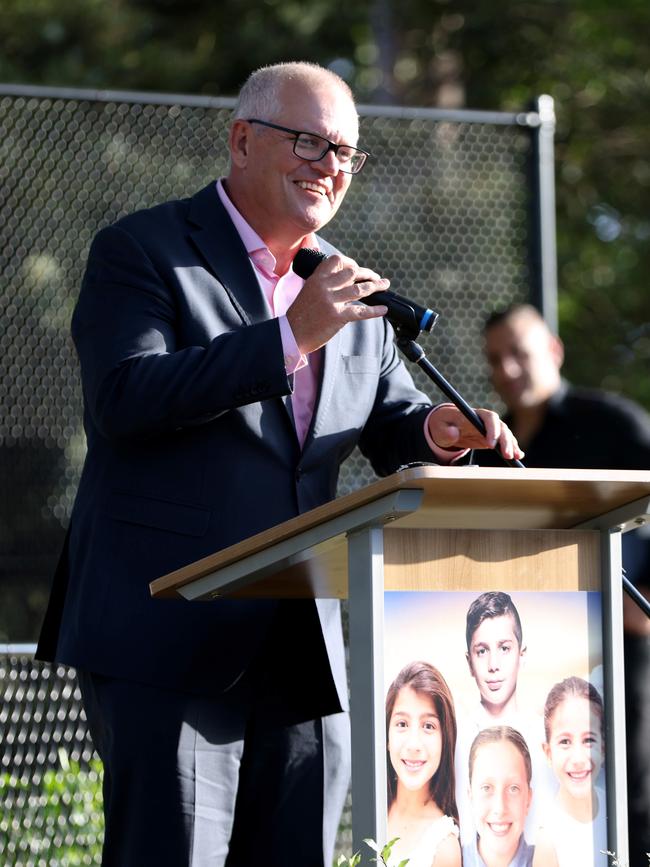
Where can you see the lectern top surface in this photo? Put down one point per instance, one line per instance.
(467, 497)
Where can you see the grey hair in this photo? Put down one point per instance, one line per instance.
(260, 94)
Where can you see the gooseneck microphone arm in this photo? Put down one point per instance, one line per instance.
(634, 594)
(408, 320)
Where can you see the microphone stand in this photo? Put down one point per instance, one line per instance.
(405, 340)
(634, 594)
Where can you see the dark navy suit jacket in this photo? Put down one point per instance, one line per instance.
(191, 448)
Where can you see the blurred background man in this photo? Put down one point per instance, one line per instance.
(560, 425)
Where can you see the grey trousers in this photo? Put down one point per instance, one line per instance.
(214, 782)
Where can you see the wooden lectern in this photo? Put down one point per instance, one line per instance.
(443, 528)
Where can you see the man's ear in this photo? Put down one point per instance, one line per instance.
(469, 663)
(557, 351)
(238, 141)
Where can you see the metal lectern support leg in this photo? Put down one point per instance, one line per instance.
(614, 686)
(366, 607)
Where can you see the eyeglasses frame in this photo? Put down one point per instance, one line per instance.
(331, 146)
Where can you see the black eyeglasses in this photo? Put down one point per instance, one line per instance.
(312, 147)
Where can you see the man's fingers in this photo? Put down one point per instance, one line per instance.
(340, 273)
(341, 282)
(498, 432)
(351, 311)
(448, 427)
(492, 424)
(359, 290)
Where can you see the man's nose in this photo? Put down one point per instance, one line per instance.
(510, 366)
(329, 163)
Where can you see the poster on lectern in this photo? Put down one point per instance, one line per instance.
(495, 727)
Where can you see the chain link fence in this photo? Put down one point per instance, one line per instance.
(448, 207)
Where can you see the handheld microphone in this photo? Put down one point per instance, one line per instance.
(402, 313)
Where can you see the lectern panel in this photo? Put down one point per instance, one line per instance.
(494, 559)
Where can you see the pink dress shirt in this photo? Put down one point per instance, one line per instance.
(280, 292)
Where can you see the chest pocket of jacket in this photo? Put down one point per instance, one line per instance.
(360, 364)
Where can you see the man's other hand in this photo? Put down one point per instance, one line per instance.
(449, 429)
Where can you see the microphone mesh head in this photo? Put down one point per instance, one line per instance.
(306, 261)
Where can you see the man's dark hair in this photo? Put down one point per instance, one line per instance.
(494, 603)
(497, 317)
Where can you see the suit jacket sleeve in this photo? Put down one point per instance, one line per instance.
(143, 374)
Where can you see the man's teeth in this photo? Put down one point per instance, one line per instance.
(305, 185)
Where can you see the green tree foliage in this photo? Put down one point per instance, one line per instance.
(182, 46)
(592, 56)
(60, 823)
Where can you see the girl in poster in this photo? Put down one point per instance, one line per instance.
(499, 783)
(574, 832)
(421, 739)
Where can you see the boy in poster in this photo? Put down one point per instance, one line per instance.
(495, 652)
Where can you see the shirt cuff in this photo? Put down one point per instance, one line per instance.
(293, 358)
(442, 455)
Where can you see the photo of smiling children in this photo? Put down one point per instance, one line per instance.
(421, 738)
(495, 654)
(573, 828)
(500, 795)
(500, 654)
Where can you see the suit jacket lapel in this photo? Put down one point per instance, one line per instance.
(213, 233)
(220, 245)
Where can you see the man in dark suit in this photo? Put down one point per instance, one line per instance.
(221, 396)
(561, 425)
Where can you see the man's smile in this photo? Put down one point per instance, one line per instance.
(315, 187)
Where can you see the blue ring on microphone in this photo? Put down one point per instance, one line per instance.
(425, 319)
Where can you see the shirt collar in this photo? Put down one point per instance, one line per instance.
(251, 240)
(249, 236)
